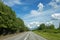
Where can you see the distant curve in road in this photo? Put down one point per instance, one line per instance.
(26, 36)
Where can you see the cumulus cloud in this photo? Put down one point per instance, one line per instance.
(42, 16)
(35, 13)
(33, 24)
(56, 16)
(40, 6)
(54, 4)
(36, 24)
(38, 11)
(57, 0)
(11, 2)
(50, 22)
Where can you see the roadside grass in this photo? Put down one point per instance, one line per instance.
(48, 36)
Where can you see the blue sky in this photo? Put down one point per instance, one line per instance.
(35, 12)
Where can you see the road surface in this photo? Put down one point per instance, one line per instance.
(26, 36)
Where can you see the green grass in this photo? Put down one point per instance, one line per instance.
(49, 36)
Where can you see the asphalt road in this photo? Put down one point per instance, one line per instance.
(26, 36)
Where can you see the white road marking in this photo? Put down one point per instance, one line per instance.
(26, 37)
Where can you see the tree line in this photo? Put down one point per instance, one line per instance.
(9, 23)
(49, 28)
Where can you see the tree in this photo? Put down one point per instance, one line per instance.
(51, 26)
(59, 27)
(9, 23)
(42, 26)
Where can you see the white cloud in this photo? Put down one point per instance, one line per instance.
(56, 16)
(42, 18)
(54, 4)
(50, 22)
(38, 11)
(40, 15)
(57, 0)
(36, 24)
(40, 6)
(33, 24)
(11, 2)
(35, 13)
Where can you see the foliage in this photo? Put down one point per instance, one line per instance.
(50, 28)
(59, 27)
(9, 23)
(41, 27)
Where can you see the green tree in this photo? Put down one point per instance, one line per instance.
(59, 27)
(9, 23)
(42, 26)
(51, 26)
